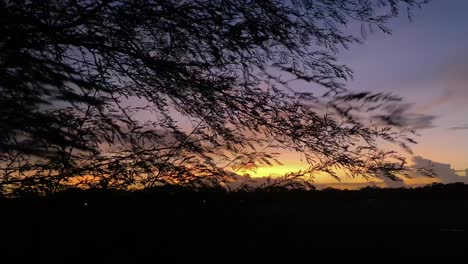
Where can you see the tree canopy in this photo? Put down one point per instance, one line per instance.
(132, 94)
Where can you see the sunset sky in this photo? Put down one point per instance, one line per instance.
(426, 62)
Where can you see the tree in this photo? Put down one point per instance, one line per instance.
(93, 92)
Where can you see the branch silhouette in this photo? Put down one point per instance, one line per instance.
(227, 66)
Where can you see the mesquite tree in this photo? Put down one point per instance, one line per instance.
(131, 94)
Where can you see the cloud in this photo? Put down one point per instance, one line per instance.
(462, 127)
(401, 114)
(452, 80)
(389, 183)
(420, 121)
(424, 171)
(444, 173)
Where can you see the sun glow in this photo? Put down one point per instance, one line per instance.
(273, 171)
(322, 178)
(281, 170)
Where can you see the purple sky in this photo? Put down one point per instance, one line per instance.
(426, 62)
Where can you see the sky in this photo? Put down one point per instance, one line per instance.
(426, 62)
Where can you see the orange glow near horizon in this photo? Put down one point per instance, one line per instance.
(280, 170)
(324, 179)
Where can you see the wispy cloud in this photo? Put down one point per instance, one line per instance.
(403, 114)
(452, 81)
(462, 127)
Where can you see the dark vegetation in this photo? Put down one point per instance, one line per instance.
(124, 94)
(231, 227)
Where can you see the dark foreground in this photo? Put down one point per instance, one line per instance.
(236, 227)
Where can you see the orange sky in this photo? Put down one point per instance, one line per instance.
(292, 162)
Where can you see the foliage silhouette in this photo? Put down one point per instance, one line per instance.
(95, 93)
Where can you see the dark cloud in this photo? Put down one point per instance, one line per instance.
(402, 115)
(420, 121)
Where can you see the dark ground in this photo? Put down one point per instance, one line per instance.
(236, 227)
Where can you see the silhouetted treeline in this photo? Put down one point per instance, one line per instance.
(214, 195)
(172, 223)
